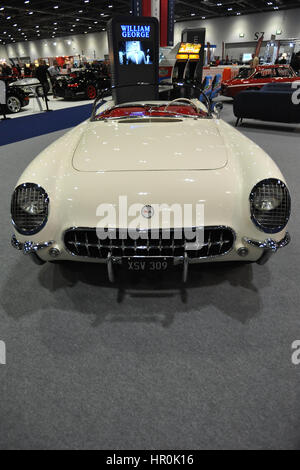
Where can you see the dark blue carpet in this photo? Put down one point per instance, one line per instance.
(14, 130)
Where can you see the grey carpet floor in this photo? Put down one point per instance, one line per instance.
(146, 365)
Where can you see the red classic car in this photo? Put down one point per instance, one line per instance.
(256, 78)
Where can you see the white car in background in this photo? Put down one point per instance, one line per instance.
(29, 85)
(156, 154)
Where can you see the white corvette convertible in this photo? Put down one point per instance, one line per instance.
(149, 185)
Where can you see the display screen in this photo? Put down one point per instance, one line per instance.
(135, 53)
(247, 57)
(189, 48)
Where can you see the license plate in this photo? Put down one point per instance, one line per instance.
(148, 264)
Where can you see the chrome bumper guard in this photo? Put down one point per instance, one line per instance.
(29, 247)
(269, 246)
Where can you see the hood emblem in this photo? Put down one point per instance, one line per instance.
(147, 212)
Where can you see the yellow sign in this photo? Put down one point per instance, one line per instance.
(182, 56)
(189, 48)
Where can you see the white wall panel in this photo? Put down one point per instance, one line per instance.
(229, 29)
(93, 45)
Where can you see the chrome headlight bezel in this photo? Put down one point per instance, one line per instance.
(282, 212)
(33, 190)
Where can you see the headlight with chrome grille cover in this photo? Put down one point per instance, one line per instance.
(29, 208)
(270, 205)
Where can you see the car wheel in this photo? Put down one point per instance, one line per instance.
(40, 91)
(13, 104)
(91, 92)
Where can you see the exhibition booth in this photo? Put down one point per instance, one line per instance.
(150, 238)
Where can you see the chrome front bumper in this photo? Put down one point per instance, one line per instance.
(269, 246)
(29, 247)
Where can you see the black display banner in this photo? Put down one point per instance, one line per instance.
(137, 7)
(134, 56)
(171, 22)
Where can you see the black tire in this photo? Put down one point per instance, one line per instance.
(13, 104)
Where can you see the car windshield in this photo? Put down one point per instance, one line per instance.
(137, 111)
(244, 73)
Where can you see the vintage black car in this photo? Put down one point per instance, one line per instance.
(83, 83)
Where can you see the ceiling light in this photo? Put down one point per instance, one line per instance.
(110, 6)
(193, 14)
(27, 1)
(8, 17)
(71, 29)
(96, 22)
(15, 24)
(2, 8)
(80, 11)
(229, 9)
(30, 13)
(77, 19)
(56, 6)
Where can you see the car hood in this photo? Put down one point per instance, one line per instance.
(25, 81)
(172, 144)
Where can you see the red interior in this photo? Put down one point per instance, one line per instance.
(146, 111)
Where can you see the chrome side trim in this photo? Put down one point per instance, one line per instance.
(29, 247)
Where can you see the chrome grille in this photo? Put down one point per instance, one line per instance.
(85, 243)
(271, 221)
(29, 194)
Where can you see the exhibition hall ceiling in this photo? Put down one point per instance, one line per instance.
(27, 20)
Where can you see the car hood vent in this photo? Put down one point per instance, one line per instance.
(143, 145)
